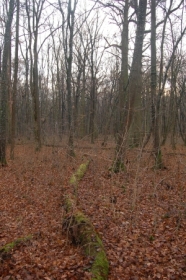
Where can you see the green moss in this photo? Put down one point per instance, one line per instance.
(68, 204)
(100, 266)
(81, 218)
(8, 247)
(83, 233)
(79, 173)
(73, 180)
(93, 247)
(151, 238)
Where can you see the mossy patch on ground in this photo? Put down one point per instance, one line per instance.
(7, 248)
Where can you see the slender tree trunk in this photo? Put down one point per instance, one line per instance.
(4, 86)
(123, 84)
(82, 102)
(14, 91)
(155, 112)
(33, 27)
(68, 36)
(92, 106)
(35, 96)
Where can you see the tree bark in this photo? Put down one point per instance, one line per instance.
(155, 112)
(123, 84)
(4, 85)
(132, 88)
(14, 91)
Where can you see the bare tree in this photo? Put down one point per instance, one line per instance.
(94, 58)
(131, 88)
(155, 113)
(14, 90)
(121, 134)
(34, 11)
(68, 24)
(4, 85)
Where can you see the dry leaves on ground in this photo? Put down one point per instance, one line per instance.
(140, 214)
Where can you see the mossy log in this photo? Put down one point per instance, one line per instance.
(78, 175)
(82, 232)
(7, 248)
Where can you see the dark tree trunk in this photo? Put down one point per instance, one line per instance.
(4, 86)
(68, 37)
(155, 113)
(123, 84)
(132, 88)
(14, 91)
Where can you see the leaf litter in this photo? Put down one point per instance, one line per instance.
(140, 215)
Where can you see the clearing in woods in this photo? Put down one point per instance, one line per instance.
(140, 214)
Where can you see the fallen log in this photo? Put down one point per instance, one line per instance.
(81, 231)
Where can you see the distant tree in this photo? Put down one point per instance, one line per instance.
(34, 11)
(68, 25)
(94, 59)
(162, 80)
(60, 82)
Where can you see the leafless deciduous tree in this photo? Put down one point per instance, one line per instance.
(14, 90)
(68, 24)
(34, 11)
(4, 84)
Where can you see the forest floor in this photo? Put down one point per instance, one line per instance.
(140, 214)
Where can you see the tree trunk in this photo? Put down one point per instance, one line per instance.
(135, 82)
(68, 35)
(4, 86)
(123, 84)
(14, 92)
(155, 111)
(35, 87)
(130, 90)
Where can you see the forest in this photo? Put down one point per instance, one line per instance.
(92, 139)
